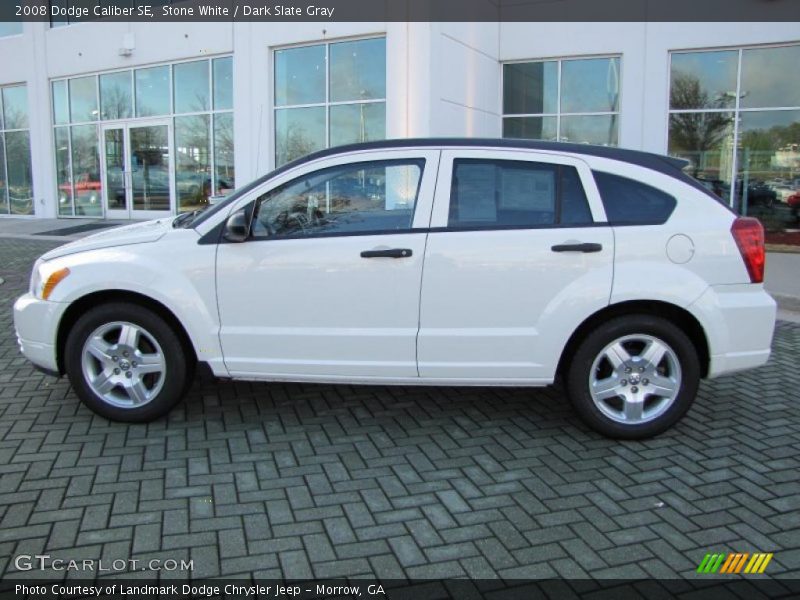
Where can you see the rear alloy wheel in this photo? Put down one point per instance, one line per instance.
(126, 363)
(633, 377)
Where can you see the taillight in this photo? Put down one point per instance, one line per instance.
(749, 235)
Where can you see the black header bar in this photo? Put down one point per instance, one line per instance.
(779, 11)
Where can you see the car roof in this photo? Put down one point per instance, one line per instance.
(657, 162)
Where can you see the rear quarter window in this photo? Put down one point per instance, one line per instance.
(631, 202)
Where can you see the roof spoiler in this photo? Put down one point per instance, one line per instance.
(674, 161)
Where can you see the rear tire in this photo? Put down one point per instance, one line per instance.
(126, 362)
(633, 377)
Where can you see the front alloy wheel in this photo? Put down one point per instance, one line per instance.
(126, 362)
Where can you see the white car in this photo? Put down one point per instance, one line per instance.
(430, 262)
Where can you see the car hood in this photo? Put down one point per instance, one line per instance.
(137, 233)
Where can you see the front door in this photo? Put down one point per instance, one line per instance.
(137, 170)
(327, 286)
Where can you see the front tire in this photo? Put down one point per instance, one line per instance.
(633, 377)
(126, 363)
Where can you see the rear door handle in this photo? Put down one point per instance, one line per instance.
(392, 253)
(577, 248)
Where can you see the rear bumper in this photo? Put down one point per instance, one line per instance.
(739, 321)
(35, 322)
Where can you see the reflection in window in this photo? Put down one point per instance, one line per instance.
(574, 100)
(77, 100)
(152, 91)
(298, 131)
(86, 171)
(191, 87)
(353, 198)
(83, 99)
(116, 99)
(713, 112)
(328, 95)
(15, 107)
(16, 178)
(193, 162)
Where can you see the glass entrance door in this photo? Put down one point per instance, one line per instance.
(137, 170)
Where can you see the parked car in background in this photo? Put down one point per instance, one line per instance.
(420, 262)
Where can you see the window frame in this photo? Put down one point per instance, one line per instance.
(327, 104)
(737, 111)
(441, 209)
(559, 60)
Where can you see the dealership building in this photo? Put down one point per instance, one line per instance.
(139, 120)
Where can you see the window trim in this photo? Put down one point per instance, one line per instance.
(559, 60)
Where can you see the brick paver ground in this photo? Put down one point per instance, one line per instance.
(303, 481)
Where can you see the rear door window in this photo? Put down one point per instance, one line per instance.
(500, 194)
(631, 202)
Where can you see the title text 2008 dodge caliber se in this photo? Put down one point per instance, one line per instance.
(434, 262)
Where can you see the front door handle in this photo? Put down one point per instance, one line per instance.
(392, 253)
(577, 248)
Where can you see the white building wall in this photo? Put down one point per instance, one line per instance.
(443, 79)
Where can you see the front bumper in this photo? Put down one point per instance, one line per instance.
(739, 321)
(36, 323)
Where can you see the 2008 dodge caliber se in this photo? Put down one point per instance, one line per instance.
(434, 262)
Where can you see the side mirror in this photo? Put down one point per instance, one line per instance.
(237, 228)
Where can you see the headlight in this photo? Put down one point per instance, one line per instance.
(45, 278)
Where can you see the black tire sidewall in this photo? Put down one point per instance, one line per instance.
(581, 365)
(176, 376)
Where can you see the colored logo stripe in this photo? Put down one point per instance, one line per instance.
(734, 562)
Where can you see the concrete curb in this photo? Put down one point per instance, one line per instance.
(788, 303)
(784, 248)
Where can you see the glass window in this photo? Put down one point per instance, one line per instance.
(705, 139)
(60, 104)
(3, 178)
(631, 202)
(86, 171)
(575, 100)
(741, 136)
(768, 163)
(358, 70)
(533, 128)
(515, 194)
(298, 131)
(352, 123)
(15, 107)
(224, 167)
(63, 178)
(352, 109)
(191, 86)
(223, 83)
(20, 176)
(590, 85)
(152, 91)
(300, 76)
(10, 28)
(116, 98)
(354, 198)
(703, 80)
(192, 162)
(530, 88)
(769, 77)
(83, 99)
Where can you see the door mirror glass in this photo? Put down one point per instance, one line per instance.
(237, 228)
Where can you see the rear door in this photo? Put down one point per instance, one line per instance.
(518, 256)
